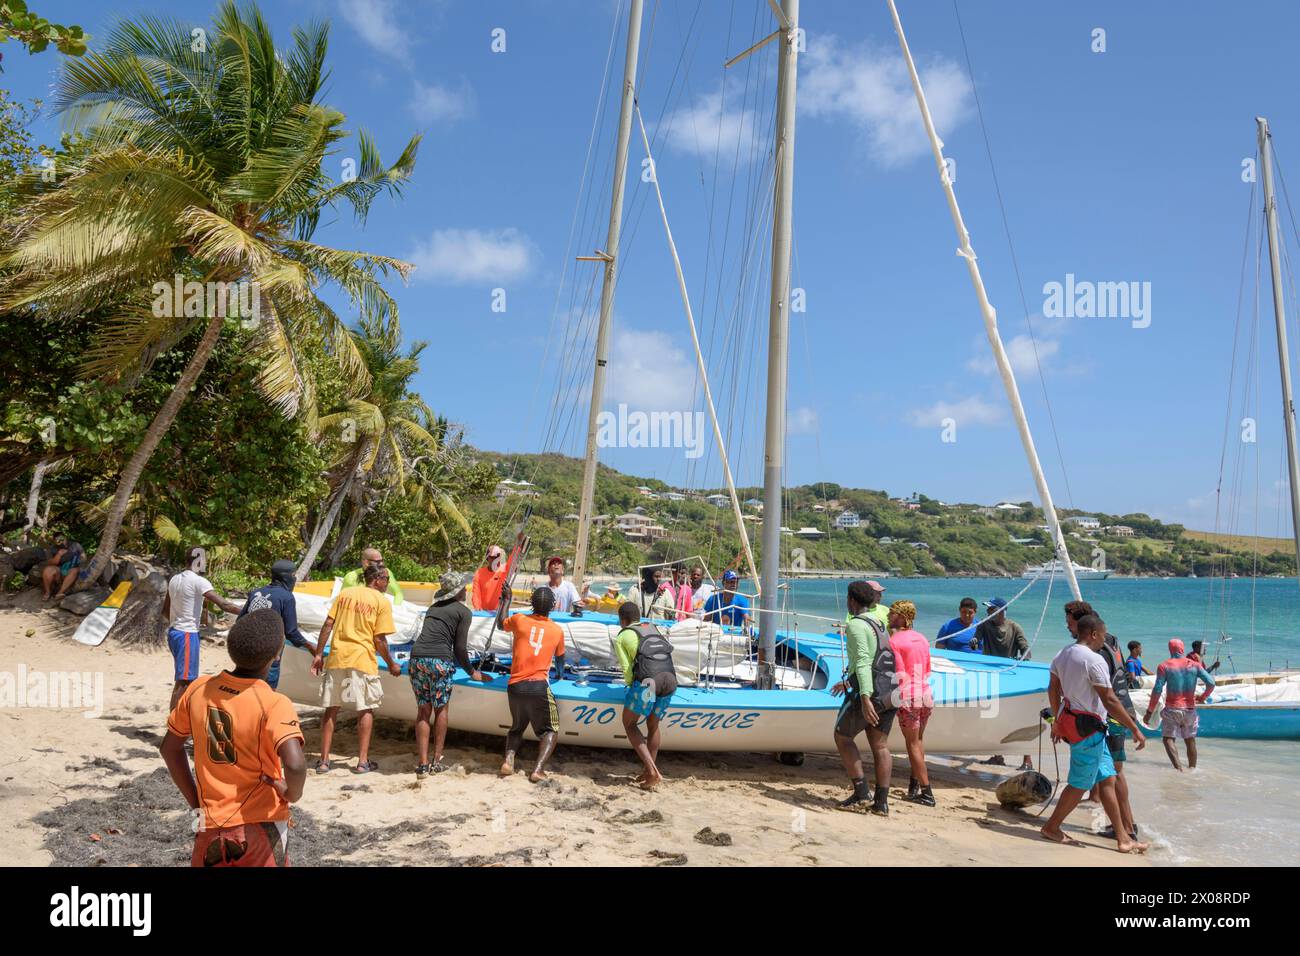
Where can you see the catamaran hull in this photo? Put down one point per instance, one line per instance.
(1244, 707)
(724, 719)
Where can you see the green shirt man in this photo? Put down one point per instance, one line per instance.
(371, 556)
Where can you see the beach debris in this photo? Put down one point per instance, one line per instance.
(1024, 790)
(709, 838)
(140, 621)
(666, 858)
(95, 837)
(650, 816)
(31, 632)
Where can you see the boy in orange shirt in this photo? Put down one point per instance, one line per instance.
(248, 757)
(537, 639)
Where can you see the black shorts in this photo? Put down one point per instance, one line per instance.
(531, 703)
(850, 722)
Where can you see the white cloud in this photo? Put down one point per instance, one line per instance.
(647, 371)
(802, 421)
(1020, 353)
(969, 411)
(870, 88)
(442, 102)
(708, 129)
(473, 255)
(376, 23)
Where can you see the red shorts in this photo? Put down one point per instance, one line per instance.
(249, 844)
(914, 717)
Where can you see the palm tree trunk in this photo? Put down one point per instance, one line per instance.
(323, 528)
(135, 467)
(34, 498)
(348, 532)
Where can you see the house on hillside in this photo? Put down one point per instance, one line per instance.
(638, 527)
(1007, 506)
(674, 496)
(811, 534)
(1087, 522)
(753, 503)
(1119, 531)
(718, 501)
(919, 545)
(886, 540)
(848, 519)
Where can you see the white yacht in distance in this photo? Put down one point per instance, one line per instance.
(1054, 567)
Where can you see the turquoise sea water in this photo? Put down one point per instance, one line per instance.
(1261, 618)
(1240, 805)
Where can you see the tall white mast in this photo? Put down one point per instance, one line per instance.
(610, 257)
(777, 339)
(1279, 316)
(967, 252)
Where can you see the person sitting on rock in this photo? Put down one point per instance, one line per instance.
(60, 571)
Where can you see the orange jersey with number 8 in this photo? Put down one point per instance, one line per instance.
(238, 725)
(537, 641)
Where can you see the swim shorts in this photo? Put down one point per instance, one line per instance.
(651, 697)
(431, 680)
(1180, 722)
(184, 646)
(531, 703)
(912, 718)
(1090, 762)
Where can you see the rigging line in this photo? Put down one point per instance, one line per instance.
(582, 184)
(686, 302)
(1015, 264)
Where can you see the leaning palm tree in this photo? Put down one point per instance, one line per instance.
(381, 436)
(199, 160)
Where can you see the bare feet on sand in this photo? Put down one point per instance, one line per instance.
(1132, 846)
(507, 769)
(1058, 836)
(647, 782)
(537, 776)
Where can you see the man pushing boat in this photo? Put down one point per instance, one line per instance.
(537, 642)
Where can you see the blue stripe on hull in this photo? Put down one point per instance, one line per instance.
(1250, 722)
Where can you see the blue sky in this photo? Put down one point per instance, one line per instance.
(1115, 166)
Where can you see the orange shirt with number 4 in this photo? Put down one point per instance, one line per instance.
(238, 725)
(537, 641)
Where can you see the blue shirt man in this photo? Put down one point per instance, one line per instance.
(278, 595)
(959, 633)
(726, 606)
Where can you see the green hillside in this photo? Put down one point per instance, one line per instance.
(932, 538)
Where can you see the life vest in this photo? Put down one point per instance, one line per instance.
(654, 654)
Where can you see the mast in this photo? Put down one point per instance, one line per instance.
(1279, 316)
(778, 334)
(610, 257)
(967, 252)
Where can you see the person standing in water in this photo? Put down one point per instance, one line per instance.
(1081, 695)
(1180, 720)
(863, 636)
(538, 641)
(646, 658)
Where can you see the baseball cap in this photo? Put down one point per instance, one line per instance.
(730, 576)
(876, 586)
(996, 603)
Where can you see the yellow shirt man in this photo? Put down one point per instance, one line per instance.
(359, 614)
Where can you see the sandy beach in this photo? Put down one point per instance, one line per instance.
(79, 790)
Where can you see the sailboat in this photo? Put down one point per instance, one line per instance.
(1260, 706)
(732, 696)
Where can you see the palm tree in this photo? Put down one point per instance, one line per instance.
(391, 444)
(199, 161)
